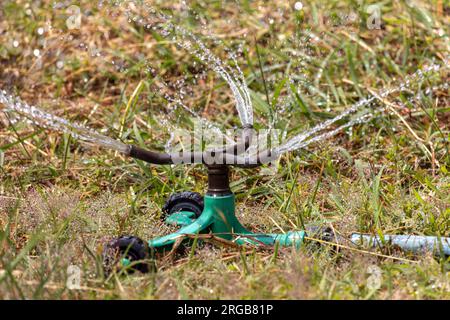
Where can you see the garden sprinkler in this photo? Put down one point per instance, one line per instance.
(212, 214)
(215, 213)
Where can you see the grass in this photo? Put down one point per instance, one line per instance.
(61, 200)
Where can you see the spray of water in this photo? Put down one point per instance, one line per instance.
(362, 119)
(162, 23)
(186, 40)
(177, 101)
(46, 120)
(299, 142)
(43, 119)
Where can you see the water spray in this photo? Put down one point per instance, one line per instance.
(214, 214)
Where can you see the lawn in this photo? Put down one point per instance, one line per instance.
(62, 199)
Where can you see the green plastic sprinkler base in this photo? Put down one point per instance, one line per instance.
(219, 218)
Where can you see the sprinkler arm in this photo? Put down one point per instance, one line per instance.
(206, 157)
(227, 156)
(149, 156)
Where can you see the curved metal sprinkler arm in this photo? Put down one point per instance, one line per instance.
(149, 156)
(206, 158)
(226, 156)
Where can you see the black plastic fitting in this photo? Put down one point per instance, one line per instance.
(218, 180)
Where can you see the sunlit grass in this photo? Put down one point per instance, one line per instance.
(61, 200)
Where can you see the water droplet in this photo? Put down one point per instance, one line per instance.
(298, 6)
